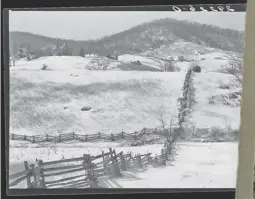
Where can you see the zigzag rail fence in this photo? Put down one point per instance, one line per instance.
(85, 171)
(84, 138)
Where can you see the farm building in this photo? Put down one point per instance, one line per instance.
(197, 69)
(59, 50)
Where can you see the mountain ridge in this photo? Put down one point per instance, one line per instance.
(143, 37)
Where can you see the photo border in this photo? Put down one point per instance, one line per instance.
(246, 151)
(5, 59)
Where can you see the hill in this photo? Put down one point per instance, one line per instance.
(141, 38)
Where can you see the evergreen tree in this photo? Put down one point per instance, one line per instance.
(82, 53)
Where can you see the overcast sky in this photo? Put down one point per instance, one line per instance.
(83, 25)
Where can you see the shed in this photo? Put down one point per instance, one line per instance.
(197, 69)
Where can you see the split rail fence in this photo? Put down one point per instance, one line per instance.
(84, 138)
(85, 171)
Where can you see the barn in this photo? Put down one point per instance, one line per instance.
(197, 69)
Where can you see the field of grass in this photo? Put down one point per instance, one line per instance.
(119, 101)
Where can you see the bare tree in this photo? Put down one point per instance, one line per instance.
(162, 119)
(166, 123)
(169, 66)
(234, 68)
(99, 64)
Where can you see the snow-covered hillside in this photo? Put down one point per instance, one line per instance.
(120, 100)
(126, 101)
(207, 114)
(180, 47)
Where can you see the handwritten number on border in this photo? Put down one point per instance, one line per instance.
(229, 9)
(212, 9)
(202, 9)
(176, 9)
(191, 8)
(221, 8)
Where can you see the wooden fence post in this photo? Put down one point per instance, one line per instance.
(29, 185)
(36, 174)
(127, 160)
(111, 154)
(33, 184)
(138, 161)
(104, 163)
(86, 138)
(12, 136)
(59, 139)
(88, 167)
(123, 162)
(33, 139)
(42, 180)
(46, 138)
(25, 137)
(73, 135)
(99, 135)
(115, 164)
(122, 133)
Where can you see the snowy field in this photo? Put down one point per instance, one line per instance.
(197, 165)
(120, 101)
(207, 115)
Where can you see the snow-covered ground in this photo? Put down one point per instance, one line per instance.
(214, 115)
(120, 101)
(197, 165)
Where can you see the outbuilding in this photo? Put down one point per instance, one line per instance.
(197, 69)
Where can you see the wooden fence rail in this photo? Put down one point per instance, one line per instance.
(84, 170)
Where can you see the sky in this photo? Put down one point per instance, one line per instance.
(84, 25)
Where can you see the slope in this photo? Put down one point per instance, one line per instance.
(147, 36)
(120, 100)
